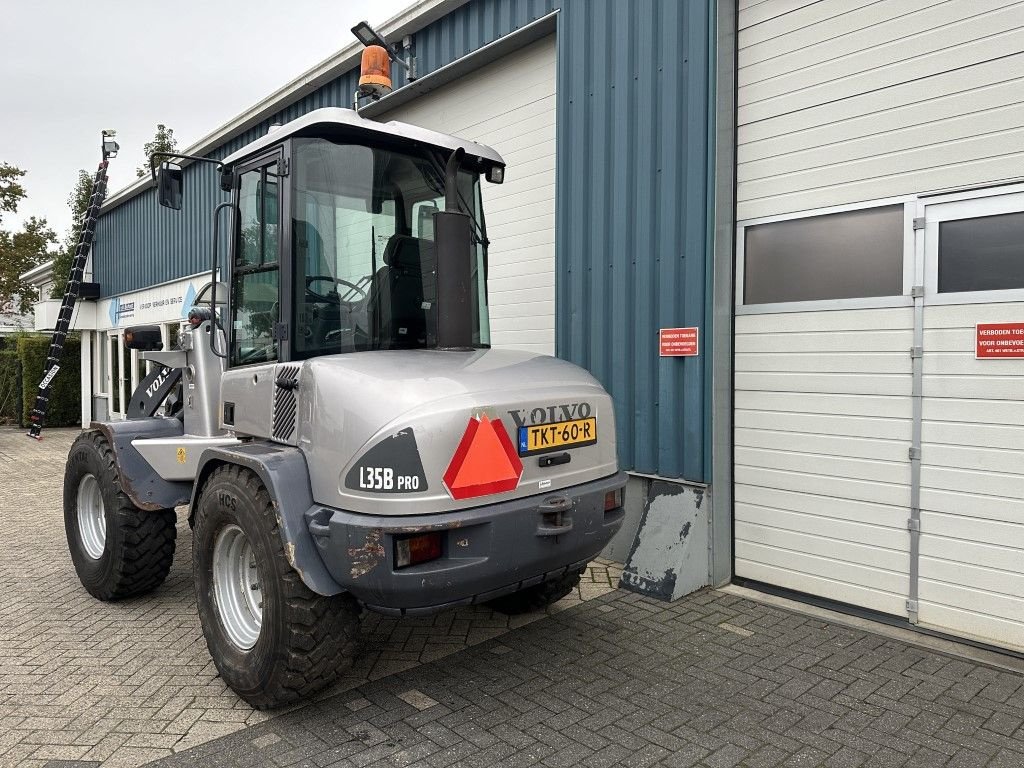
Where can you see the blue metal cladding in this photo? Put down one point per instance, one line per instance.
(632, 208)
(632, 218)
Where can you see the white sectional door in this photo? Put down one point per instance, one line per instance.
(822, 475)
(972, 452)
(510, 105)
(879, 442)
(823, 404)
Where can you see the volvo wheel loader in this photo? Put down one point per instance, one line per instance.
(343, 435)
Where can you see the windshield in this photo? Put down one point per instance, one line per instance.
(363, 245)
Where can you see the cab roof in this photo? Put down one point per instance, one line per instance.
(333, 119)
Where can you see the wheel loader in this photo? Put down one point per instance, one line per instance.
(335, 420)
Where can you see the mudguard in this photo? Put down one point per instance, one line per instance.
(144, 487)
(284, 474)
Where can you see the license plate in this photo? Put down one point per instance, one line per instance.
(540, 438)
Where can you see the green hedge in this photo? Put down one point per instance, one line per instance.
(10, 387)
(65, 409)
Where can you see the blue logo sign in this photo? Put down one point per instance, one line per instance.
(120, 310)
(188, 301)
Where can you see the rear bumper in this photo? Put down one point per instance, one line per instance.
(487, 551)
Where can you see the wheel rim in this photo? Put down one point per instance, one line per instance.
(92, 517)
(236, 587)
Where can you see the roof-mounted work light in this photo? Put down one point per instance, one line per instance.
(110, 147)
(367, 35)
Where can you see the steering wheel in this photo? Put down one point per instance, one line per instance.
(310, 279)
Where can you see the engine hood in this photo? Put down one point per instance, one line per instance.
(381, 430)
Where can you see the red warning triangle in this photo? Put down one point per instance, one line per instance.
(484, 463)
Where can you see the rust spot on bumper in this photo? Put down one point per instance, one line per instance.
(368, 556)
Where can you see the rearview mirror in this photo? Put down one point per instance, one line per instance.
(144, 338)
(169, 184)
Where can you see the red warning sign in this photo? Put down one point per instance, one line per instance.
(999, 340)
(484, 463)
(677, 342)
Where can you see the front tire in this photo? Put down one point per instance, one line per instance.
(118, 550)
(273, 640)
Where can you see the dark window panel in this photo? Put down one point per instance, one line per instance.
(847, 255)
(982, 254)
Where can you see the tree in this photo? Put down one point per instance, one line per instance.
(20, 251)
(163, 141)
(78, 201)
(11, 192)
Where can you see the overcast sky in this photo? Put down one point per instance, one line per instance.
(69, 69)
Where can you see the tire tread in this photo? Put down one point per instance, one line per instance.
(146, 550)
(322, 632)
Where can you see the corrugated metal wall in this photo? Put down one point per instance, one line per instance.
(631, 213)
(632, 216)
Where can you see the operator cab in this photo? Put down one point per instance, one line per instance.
(335, 248)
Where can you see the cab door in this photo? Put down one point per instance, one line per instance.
(256, 334)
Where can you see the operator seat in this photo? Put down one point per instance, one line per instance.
(403, 296)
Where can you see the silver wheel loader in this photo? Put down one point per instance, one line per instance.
(338, 425)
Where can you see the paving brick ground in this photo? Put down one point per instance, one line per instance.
(712, 680)
(125, 683)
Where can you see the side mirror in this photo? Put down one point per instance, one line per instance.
(169, 185)
(144, 338)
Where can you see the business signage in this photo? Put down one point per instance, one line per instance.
(161, 304)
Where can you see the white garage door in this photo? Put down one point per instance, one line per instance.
(510, 105)
(879, 432)
(878, 462)
(824, 402)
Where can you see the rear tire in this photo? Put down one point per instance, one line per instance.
(273, 640)
(537, 597)
(118, 550)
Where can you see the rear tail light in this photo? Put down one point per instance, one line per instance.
(613, 500)
(413, 550)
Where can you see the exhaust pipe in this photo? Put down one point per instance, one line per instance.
(453, 241)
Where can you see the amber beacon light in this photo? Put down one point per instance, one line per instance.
(375, 67)
(375, 71)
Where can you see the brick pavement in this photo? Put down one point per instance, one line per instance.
(125, 683)
(713, 680)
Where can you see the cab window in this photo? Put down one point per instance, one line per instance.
(255, 289)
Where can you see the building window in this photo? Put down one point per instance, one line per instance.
(985, 253)
(847, 255)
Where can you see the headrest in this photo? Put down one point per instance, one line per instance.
(407, 252)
